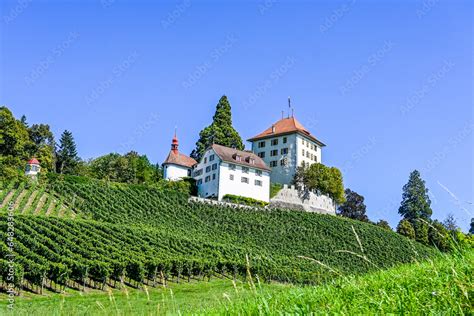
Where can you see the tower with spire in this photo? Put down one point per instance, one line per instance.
(177, 165)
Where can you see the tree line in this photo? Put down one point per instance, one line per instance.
(19, 142)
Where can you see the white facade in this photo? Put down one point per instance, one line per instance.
(174, 172)
(284, 153)
(32, 170)
(215, 178)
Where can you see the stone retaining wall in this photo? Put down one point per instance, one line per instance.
(289, 197)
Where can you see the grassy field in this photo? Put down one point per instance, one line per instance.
(440, 286)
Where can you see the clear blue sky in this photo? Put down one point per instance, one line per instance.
(387, 86)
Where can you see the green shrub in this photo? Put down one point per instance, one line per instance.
(237, 199)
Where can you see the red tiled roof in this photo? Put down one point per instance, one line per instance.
(286, 126)
(228, 154)
(33, 161)
(177, 158)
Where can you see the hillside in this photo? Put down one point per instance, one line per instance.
(139, 234)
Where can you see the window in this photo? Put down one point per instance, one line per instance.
(238, 158)
(307, 144)
(231, 166)
(211, 157)
(199, 182)
(231, 177)
(284, 151)
(303, 152)
(307, 154)
(214, 166)
(245, 170)
(259, 173)
(303, 141)
(208, 169)
(274, 153)
(198, 173)
(205, 159)
(261, 154)
(273, 163)
(214, 176)
(258, 183)
(261, 144)
(251, 161)
(244, 180)
(283, 162)
(274, 142)
(285, 140)
(208, 178)
(312, 157)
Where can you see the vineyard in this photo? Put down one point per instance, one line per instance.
(32, 199)
(136, 235)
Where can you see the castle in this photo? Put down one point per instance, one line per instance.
(275, 155)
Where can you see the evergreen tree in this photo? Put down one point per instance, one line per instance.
(66, 155)
(415, 201)
(406, 229)
(220, 132)
(354, 206)
(471, 229)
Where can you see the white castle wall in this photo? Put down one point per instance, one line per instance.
(289, 197)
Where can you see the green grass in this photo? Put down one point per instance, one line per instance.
(440, 286)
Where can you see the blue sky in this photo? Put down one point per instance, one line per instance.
(386, 85)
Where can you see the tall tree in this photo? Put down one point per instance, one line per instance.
(354, 206)
(219, 132)
(415, 200)
(14, 145)
(66, 155)
(321, 179)
(471, 228)
(43, 145)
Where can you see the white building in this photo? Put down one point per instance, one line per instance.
(32, 168)
(223, 170)
(284, 146)
(177, 165)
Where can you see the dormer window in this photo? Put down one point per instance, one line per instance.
(250, 160)
(237, 157)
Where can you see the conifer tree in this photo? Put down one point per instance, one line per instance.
(415, 200)
(66, 155)
(220, 132)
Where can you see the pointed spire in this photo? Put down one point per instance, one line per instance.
(174, 142)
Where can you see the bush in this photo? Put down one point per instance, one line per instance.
(237, 199)
(406, 229)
